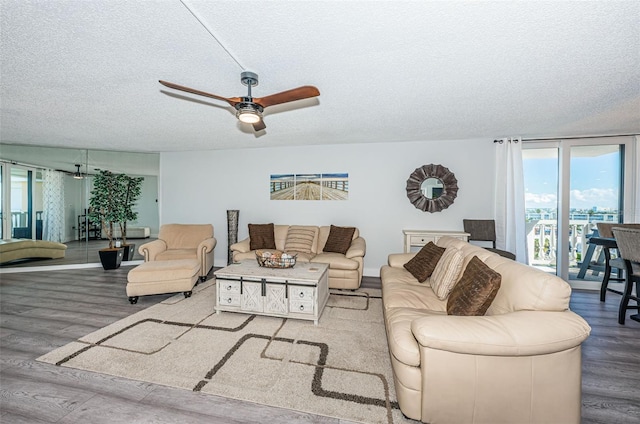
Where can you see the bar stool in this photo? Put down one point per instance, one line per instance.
(628, 241)
(606, 239)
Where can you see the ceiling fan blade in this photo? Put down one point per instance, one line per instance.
(259, 126)
(231, 100)
(299, 93)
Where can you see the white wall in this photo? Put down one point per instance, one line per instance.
(198, 187)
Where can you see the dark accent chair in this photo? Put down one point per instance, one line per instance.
(628, 241)
(485, 230)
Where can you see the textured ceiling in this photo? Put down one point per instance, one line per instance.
(85, 73)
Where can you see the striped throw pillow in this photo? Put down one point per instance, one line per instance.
(447, 272)
(300, 239)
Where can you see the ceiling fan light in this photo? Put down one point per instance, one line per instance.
(248, 115)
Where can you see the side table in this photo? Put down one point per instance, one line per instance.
(418, 238)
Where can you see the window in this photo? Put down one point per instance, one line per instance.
(570, 185)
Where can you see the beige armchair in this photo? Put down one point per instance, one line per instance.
(183, 241)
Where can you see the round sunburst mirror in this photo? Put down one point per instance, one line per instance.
(432, 188)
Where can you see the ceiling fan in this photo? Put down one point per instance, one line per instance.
(249, 109)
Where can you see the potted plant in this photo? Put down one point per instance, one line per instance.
(106, 209)
(131, 189)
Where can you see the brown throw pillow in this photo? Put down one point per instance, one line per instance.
(339, 239)
(261, 236)
(475, 291)
(421, 266)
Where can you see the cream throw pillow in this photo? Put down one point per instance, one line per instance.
(300, 239)
(447, 272)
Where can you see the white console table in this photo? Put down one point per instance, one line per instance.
(418, 238)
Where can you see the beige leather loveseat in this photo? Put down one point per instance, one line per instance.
(182, 241)
(345, 269)
(518, 363)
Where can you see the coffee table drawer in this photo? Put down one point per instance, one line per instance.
(229, 287)
(301, 306)
(229, 299)
(302, 293)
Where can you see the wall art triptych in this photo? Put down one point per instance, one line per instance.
(309, 186)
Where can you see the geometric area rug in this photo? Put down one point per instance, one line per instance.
(339, 368)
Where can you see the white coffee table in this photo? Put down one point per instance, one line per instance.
(300, 292)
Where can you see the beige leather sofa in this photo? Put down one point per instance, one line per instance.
(182, 241)
(345, 270)
(519, 363)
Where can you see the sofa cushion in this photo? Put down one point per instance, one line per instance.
(475, 291)
(400, 275)
(335, 261)
(417, 296)
(424, 262)
(447, 272)
(157, 271)
(524, 287)
(303, 257)
(261, 236)
(339, 239)
(468, 250)
(173, 254)
(300, 238)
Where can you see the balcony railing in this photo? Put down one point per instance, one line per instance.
(542, 237)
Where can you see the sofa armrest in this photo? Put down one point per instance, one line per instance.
(151, 249)
(521, 333)
(357, 249)
(397, 260)
(242, 246)
(207, 246)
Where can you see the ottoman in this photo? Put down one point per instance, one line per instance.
(160, 277)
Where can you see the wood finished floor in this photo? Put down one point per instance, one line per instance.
(40, 311)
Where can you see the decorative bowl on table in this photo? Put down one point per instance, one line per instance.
(275, 259)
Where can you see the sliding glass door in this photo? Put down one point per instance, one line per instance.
(570, 186)
(541, 203)
(21, 189)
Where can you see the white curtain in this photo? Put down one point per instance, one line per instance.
(509, 195)
(53, 206)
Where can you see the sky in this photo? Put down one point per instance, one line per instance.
(594, 182)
